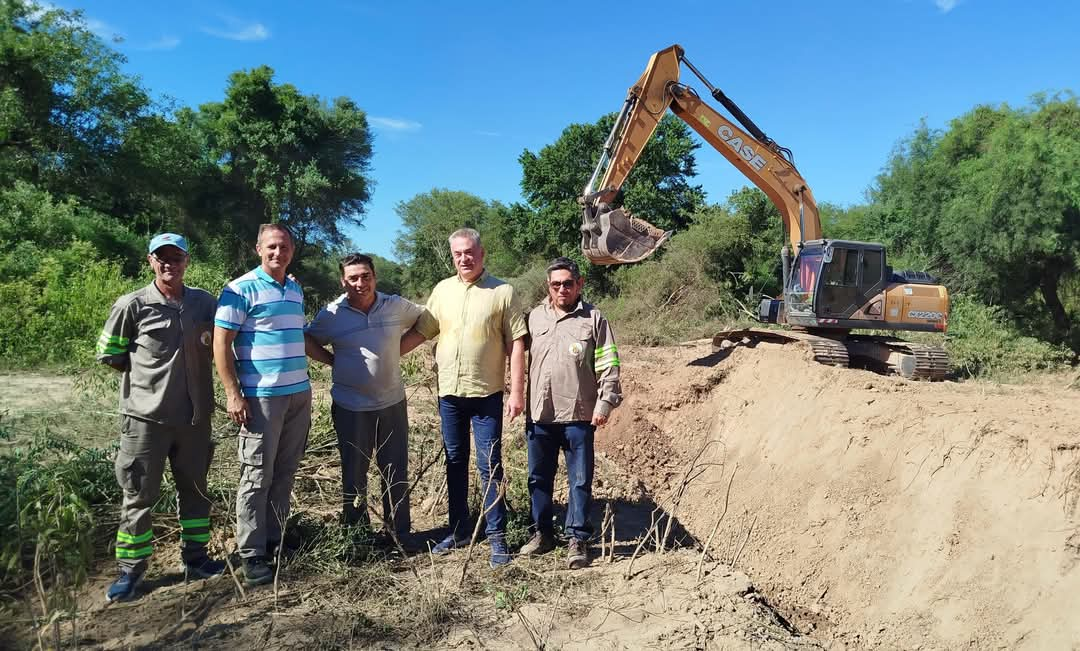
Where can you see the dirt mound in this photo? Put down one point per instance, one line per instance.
(872, 511)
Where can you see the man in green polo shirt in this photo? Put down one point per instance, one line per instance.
(159, 338)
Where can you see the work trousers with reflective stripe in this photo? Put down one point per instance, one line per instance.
(140, 463)
(271, 446)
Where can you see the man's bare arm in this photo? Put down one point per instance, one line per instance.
(410, 340)
(225, 362)
(516, 404)
(317, 352)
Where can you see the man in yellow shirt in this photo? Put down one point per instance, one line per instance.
(481, 323)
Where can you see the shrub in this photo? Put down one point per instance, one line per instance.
(981, 341)
(55, 314)
(48, 493)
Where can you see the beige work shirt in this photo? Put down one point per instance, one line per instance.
(573, 365)
(478, 323)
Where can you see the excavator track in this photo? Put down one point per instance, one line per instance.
(829, 351)
(904, 358)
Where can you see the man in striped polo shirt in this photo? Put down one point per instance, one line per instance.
(158, 337)
(259, 353)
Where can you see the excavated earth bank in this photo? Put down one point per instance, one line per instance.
(871, 511)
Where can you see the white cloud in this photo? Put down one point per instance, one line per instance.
(102, 29)
(393, 124)
(163, 43)
(946, 5)
(237, 30)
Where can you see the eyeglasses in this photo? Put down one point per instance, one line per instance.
(568, 284)
(172, 260)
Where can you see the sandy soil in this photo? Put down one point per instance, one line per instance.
(809, 507)
(872, 511)
(22, 392)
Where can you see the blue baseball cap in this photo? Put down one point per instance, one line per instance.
(168, 239)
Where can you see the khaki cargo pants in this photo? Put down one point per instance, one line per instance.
(271, 446)
(140, 463)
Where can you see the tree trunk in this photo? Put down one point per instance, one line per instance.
(1049, 286)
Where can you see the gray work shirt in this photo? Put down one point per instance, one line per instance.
(165, 352)
(367, 348)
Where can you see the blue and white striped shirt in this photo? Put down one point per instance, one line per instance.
(269, 347)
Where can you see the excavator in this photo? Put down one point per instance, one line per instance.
(830, 287)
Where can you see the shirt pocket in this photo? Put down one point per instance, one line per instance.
(583, 335)
(155, 337)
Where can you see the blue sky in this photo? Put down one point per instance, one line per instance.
(455, 91)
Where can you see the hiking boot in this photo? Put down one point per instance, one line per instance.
(204, 568)
(449, 544)
(256, 571)
(123, 588)
(540, 543)
(577, 554)
(500, 552)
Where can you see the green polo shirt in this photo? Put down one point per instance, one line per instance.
(165, 350)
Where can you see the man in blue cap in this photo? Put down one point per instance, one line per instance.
(160, 339)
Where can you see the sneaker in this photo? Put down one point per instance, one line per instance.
(577, 554)
(500, 552)
(449, 544)
(205, 568)
(256, 572)
(540, 543)
(123, 588)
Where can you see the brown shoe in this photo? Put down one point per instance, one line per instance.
(577, 554)
(540, 543)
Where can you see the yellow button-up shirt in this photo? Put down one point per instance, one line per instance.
(478, 323)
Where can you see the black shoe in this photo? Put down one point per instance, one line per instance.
(256, 571)
(204, 568)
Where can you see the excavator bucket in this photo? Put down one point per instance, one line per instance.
(617, 237)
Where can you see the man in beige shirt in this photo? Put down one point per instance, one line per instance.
(481, 323)
(573, 386)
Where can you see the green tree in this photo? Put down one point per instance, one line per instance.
(287, 157)
(658, 189)
(994, 204)
(67, 111)
(428, 219)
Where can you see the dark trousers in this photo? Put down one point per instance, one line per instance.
(485, 416)
(384, 434)
(576, 441)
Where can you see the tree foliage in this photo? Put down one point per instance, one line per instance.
(994, 204)
(287, 157)
(658, 189)
(428, 219)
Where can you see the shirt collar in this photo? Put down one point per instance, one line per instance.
(155, 295)
(380, 298)
(479, 279)
(580, 307)
(261, 273)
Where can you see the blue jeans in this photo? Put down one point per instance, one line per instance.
(544, 442)
(485, 415)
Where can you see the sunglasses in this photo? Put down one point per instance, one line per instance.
(172, 260)
(568, 284)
